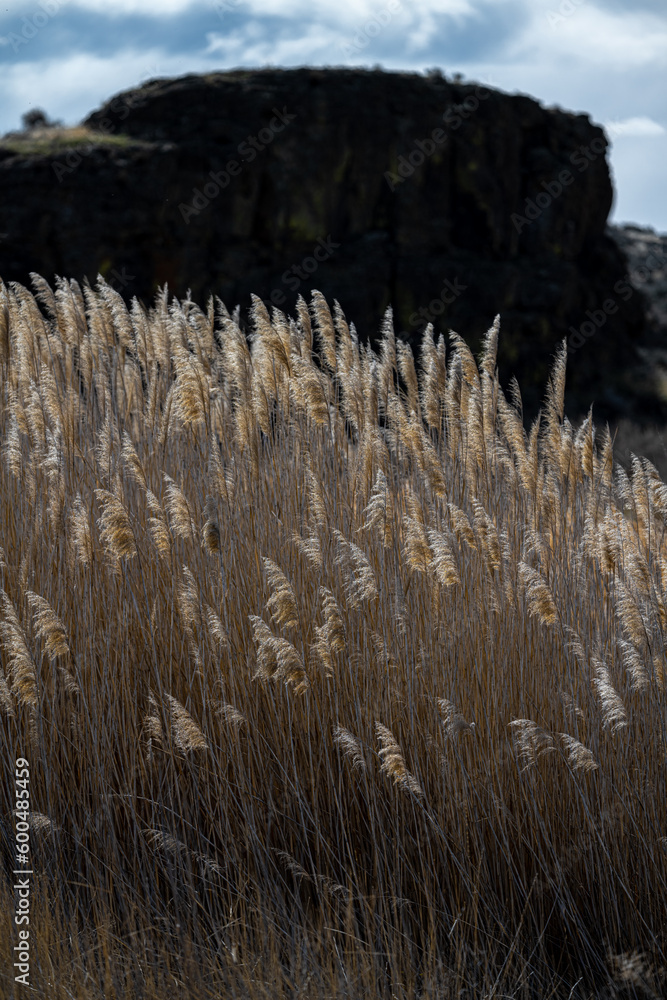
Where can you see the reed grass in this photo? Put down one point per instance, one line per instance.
(334, 680)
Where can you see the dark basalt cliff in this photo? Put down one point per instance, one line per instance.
(449, 201)
(646, 254)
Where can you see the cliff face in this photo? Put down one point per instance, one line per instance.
(646, 254)
(450, 202)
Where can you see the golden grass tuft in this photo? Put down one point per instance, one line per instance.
(393, 761)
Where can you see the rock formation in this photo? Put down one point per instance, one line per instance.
(646, 254)
(450, 201)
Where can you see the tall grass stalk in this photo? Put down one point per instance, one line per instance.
(334, 680)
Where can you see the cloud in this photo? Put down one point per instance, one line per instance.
(655, 6)
(611, 41)
(56, 85)
(633, 127)
(350, 13)
(118, 8)
(514, 32)
(401, 33)
(248, 47)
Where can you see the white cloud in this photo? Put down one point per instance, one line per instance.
(348, 12)
(622, 42)
(334, 11)
(633, 127)
(116, 8)
(324, 29)
(241, 48)
(587, 36)
(57, 85)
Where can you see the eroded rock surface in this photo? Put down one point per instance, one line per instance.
(446, 200)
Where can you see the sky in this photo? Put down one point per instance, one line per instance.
(606, 58)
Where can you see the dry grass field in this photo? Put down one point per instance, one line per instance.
(333, 682)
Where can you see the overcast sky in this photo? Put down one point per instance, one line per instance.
(607, 58)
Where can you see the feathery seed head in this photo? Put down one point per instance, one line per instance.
(351, 747)
(331, 637)
(115, 527)
(158, 526)
(380, 511)
(180, 518)
(579, 757)
(310, 548)
(531, 741)
(133, 466)
(211, 529)
(360, 585)
(216, 629)
(48, 626)
(453, 722)
(614, 715)
(81, 535)
(444, 561)
(541, 603)
(186, 734)
(325, 329)
(231, 716)
(21, 663)
(282, 602)
(393, 762)
(278, 659)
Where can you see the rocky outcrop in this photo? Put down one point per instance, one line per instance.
(646, 254)
(449, 201)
